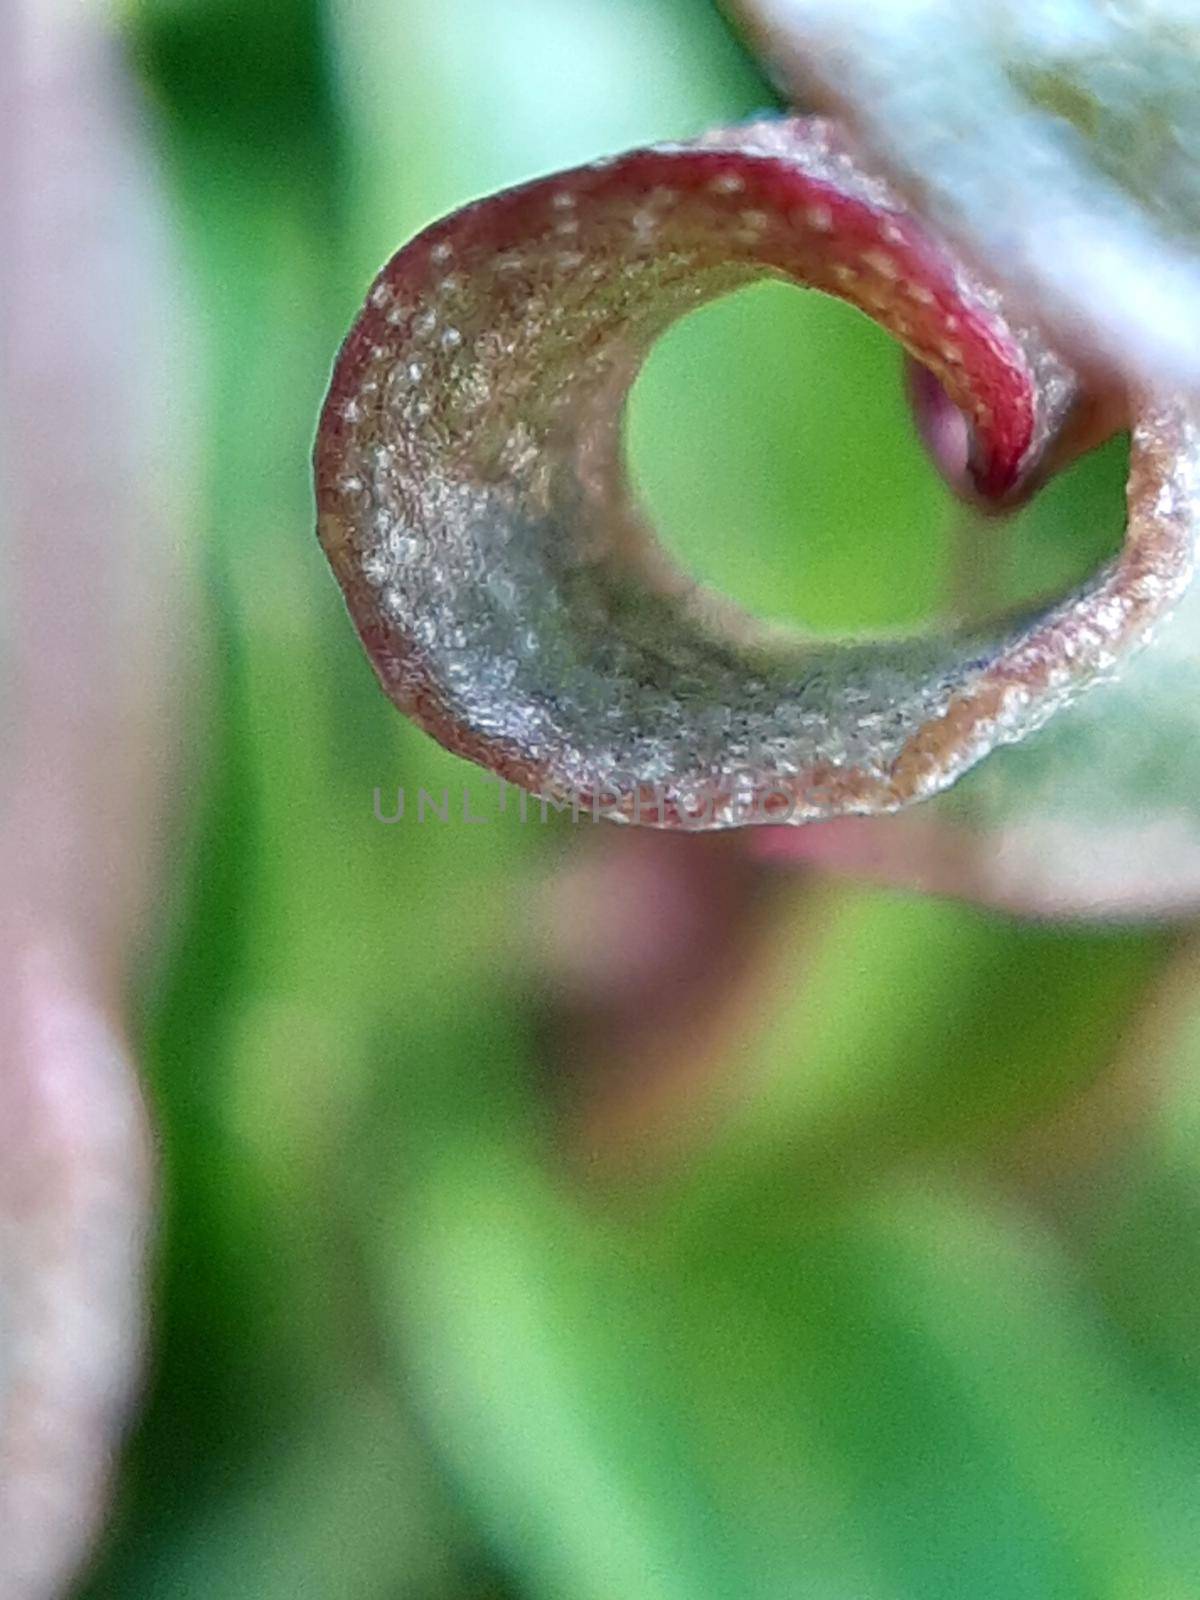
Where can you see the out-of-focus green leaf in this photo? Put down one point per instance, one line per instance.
(898, 1399)
(755, 1379)
(1133, 1218)
(896, 1034)
(337, 1503)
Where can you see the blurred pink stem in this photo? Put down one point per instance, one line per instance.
(92, 463)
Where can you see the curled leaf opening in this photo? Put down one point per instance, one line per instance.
(474, 504)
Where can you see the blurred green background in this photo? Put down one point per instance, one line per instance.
(868, 1275)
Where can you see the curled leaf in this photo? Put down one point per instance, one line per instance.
(1055, 140)
(474, 505)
